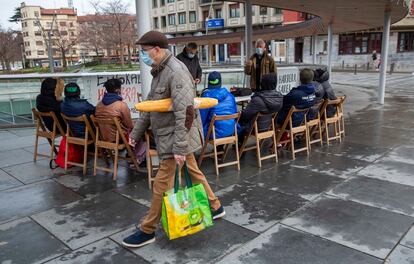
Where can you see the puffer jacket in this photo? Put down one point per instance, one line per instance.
(112, 106)
(180, 131)
(74, 107)
(324, 89)
(193, 65)
(226, 106)
(268, 65)
(301, 97)
(265, 102)
(46, 102)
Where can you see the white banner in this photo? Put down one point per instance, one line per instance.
(131, 89)
(287, 78)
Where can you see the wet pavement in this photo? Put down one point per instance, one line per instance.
(351, 202)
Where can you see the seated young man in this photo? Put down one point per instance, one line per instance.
(267, 100)
(301, 97)
(226, 106)
(112, 106)
(49, 100)
(323, 89)
(74, 106)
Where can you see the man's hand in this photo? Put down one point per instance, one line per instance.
(179, 159)
(249, 63)
(197, 81)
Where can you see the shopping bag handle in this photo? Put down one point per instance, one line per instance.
(187, 178)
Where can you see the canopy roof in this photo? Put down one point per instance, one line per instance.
(345, 16)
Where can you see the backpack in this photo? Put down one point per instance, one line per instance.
(75, 154)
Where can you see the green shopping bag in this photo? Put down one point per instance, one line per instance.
(185, 211)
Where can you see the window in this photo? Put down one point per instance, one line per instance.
(359, 43)
(218, 13)
(72, 33)
(155, 20)
(63, 33)
(36, 13)
(170, 1)
(162, 3)
(263, 11)
(39, 43)
(62, 24)
(171, 19)
(38, 33)
(71, 24)
(40, 52)
(73, 51)
(163, 21)
(278, 11)
(154, 3)
(27, 44)
(181, 18)
(234, 10)
(36, 23)
(405, 41)
(48, 24)
(192, 17)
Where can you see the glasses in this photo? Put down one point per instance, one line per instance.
(148, 49)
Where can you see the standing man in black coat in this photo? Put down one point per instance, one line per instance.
(190, 59)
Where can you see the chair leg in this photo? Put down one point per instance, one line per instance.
(307, 141)
(343, 125)
(226, 151)
(52, 148)
(85, 159)
(66, 154)
(320, 134)
(95, 162)
(275, 147)
(215, 159)
(327, 133)
(292, 145)
(132, 155)
(35, 148)
(115, 165)
(237, 155)
(258, 156)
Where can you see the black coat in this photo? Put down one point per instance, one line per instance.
(193, 64)
(324, 90)
(46, 102)
(265, 102)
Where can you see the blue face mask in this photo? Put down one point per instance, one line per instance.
(259, 51)
(146, 58)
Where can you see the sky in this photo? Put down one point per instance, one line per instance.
(83, 7)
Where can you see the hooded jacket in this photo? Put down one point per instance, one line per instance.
(74, 107)
(112, 106)
(46, 102)
(266, 101)
(193, 64)
(324, 89)
(301, 97)
(226, 106)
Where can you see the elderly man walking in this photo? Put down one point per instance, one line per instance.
(178, 134)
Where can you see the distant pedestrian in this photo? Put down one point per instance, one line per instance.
(376, 59)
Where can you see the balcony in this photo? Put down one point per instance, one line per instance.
(209, 2)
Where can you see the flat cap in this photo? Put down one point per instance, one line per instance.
(154, 38)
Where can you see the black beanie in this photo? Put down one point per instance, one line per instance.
(72, 90)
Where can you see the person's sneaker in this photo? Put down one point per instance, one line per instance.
(139, 239)
(219, 213)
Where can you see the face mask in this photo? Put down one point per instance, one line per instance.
(259, 51)
(191, 55)
(146, 58)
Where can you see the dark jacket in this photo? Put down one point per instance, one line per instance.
(193, 64)
(323, 90)
(301, 97)
(46, 102)
(226, 106)
(267, 65)
(264, 102)
(75, 107)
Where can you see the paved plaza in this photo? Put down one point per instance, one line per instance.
(352, 202)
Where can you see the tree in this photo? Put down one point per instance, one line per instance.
(10, 47)
(121, 23)
(17, 16)
(60, 38)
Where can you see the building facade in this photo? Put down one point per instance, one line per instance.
(190, 18)
(36, 24)
(356, 48)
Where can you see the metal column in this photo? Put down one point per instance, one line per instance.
(242, 53)
(142, 11)
(384, 56)
(249, 29)
(330, 38)
(314, 49)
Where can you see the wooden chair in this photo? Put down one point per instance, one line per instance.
(42, 131)
(341, 116)
(150, 153)
(315, 125)
(293, 132)
(333, 121)
(120, 143)
(260, 136)
(89, 139)
(226, 141)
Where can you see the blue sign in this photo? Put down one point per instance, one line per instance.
(215, 23)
